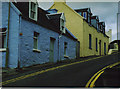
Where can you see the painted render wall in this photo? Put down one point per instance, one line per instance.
(13, 34)
(91, 30)
(4, 24)
(28, 57)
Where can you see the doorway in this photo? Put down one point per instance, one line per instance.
(100, 47)
(52, 41)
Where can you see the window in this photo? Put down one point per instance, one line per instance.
(3, 38)
(65, 48)
(85, 15)
(35, 40)
(105, 48)
(62, 24)
(90, 41)
(33, 10)
(80, 13)
(96, 44)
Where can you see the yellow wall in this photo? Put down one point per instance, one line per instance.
(80, 29)
(91, 30)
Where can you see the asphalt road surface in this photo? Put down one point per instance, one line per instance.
(76, 75)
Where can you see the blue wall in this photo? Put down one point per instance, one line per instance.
(4, 24)
(28, 57)
(13, 34)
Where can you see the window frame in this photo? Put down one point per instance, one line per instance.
(31, 11)
(35, 37)
(62, 23)
(3, 34)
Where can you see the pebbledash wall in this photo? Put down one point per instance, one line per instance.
(21, 46)
(28, 57)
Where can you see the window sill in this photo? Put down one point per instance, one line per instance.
(36, 50)
(2, 49)
(66, 56)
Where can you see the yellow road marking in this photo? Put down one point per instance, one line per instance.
(93, 82)
(43, 71)
(93, 79)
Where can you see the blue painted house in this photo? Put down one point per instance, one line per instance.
(31, 35)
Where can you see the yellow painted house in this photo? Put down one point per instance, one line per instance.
(92, 37)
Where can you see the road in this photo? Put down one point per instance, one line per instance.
(76, 75)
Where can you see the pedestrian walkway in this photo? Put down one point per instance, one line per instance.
(7, 72)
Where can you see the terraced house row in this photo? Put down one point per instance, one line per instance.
(86, 28)
(31, 35)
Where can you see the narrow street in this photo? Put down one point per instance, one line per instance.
(76, 75)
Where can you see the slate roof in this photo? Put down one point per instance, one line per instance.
(42, 19)
(115, 41)
(95, 17)
(83, 9)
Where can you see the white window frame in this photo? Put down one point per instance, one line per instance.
(31, 10)
(35, 38)
(3, 48)
(62, 23)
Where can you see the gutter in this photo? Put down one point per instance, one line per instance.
(7, 48)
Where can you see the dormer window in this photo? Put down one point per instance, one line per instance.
(33, 10)
(62, 23)
(85, 15)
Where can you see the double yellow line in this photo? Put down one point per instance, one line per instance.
(91, 82)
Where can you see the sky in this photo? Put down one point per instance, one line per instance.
(106, 11)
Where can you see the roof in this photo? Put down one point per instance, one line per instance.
(82, 9)
(95, 17)
(115, 41)
(102, 23)
(54, 16)
(51, 21)
(70, 33)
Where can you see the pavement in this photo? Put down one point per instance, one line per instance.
(10, 73)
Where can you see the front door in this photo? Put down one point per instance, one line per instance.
(100, 47)
(78, 49)
(51, 59)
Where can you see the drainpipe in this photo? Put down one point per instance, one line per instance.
(7, 48)
(19, 39)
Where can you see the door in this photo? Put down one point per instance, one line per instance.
(51, 59)
(100, 47)
(78, 49)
